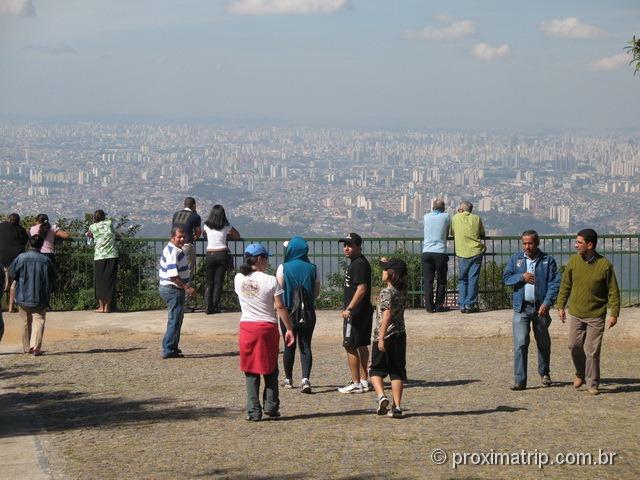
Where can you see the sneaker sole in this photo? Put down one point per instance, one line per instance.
(383, 407)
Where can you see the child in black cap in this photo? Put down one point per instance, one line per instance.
(388, 352)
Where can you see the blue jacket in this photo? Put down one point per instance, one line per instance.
(547, 279)
(34, 276)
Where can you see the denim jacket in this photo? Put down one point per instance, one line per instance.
(34, 276)
(547, 279)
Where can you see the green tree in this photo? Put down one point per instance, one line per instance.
(633, 48)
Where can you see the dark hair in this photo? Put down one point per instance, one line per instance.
(589, 235)
(398, 281)
(175, 230)
(189, 202)
(438, 205)
(13, 219)
(99, 216)
(531, 233)
(35, 242)
(217, 218)
(45, 226)
(247, 267)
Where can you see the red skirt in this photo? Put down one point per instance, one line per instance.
(258, 344)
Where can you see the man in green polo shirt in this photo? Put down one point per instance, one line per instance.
(588, 285)
(468, 233)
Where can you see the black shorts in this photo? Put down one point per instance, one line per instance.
(360, 331)
(392, 362)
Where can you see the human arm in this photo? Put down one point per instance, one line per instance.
(280, 275)
(481, 232)
(233, 234)
(382, 331)
(283, 314)
(358, 297)
(613, 298)
(62, 234)
(553, 286)
(510, 275)
(188, 290)
(565, 289)
(316, 288)
(196, 233)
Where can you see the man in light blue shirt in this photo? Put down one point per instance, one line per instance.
(434, 256)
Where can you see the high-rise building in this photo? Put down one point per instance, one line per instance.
(418, 210)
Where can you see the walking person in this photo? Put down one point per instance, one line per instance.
(468, 233)
(105, 261)
(389, 346)
(434, 257)
(13, 240)
(217, 231)
(173, 288)
(535, 279)
(357, 314)
(261, 304)
(296, 273)
(589, 286)
(34, 275)
(49, 233)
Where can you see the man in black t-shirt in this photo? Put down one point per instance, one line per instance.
(13, 239)
(191, 224)
(357, 314)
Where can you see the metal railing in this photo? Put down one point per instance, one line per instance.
(138, 263)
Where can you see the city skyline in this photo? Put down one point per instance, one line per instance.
(466, 65)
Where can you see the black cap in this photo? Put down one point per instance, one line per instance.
(352, 238)
(395, 264)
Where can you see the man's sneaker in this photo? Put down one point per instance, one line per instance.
(578, 382)
(366, 386)
(546, 380)
(305, 386)
(383, 404)
(274, 414)
(395, 412)
(351, 388)
(593, 390)
(287, 383)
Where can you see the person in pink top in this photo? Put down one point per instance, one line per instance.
(48, 232)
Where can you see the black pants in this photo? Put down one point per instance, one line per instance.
(434, 265)
(215, 268)
(303, 337)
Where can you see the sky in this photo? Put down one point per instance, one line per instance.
(394, 64)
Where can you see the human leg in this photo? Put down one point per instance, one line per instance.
(306, 357)
(288, 354)
(1, 326)
(222, 259)
(209, 269)
(363, 354)
(428, 274)
(37, 332)
(463, 281)
(592, 348)
(397, 388)
(543, 342)
(473, 279)
(521, 339)
(441, 265)
(270, 395)
(353, 361)
(577, 335)
(27, 319)
(174, 297)
(254, 409)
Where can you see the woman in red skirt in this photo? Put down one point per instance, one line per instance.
(261, 304)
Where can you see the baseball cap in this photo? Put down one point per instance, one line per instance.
(353, 238)
(255, 250)
(395, 264)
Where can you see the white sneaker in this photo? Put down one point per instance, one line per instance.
(383, 403)
(287, 383)
(351, 388)
(395, 412)
(366, 386)
(305, 386)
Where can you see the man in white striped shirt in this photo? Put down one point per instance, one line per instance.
(174, 286)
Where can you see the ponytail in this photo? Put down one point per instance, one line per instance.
(45, 226)
(247, 267)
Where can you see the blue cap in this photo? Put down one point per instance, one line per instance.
(255, 250)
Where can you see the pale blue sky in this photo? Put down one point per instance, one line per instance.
(480, 64)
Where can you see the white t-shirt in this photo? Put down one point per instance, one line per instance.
(217, 239)
(257, 293)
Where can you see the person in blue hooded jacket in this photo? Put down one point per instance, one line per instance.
(296, 271)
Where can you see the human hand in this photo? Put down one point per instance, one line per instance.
(381, 345)
(529, 277)
(289, 338)
(190, 291)
(562, 314)
(612, 321)
(543, 310)
(345, 314)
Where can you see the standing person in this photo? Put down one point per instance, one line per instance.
(297, 271)
(357, 314)
(190, 222)
(2, 274)
(105, 261)
(34, 275)
(49, 233)
(13, 240)
(389, 347)
(173, 288)
(468, 233)
(535, 279)
(261, 304)
(589, 286)
(434, 256)
(217, 231)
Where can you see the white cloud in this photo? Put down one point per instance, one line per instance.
(570, 27)
(454, 31)
(286, 7)
(483, 51)
(610, 63)
(17, 8)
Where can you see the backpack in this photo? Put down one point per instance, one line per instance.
(302, 314)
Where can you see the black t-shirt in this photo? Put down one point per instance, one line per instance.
(359, 272)
(13, 239)
(188, 221)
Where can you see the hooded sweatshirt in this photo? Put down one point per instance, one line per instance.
(298, 270)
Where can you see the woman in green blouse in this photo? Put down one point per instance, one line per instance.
(105, 260)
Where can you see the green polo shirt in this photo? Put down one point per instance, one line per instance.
(467, 232)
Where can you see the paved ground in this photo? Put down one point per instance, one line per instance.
(102, 404)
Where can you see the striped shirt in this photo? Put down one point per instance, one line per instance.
(173, 263)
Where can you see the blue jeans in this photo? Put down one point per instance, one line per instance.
(468, 276)
(174, 297)
(521, 330)
(270, 394)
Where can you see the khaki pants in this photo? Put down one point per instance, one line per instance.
(585, 342)
(32, 337)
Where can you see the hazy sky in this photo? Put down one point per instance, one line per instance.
(479, 64)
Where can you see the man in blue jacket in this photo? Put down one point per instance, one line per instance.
(535, 279)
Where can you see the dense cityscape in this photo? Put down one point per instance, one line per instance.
(320, 182)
